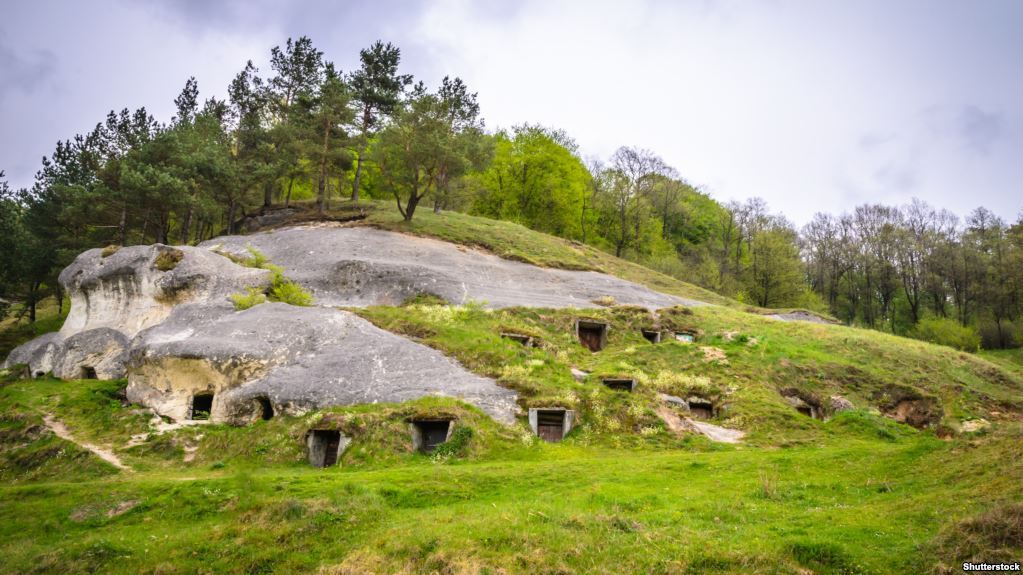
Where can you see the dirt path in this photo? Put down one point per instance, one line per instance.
(680, 425)
(64, 433)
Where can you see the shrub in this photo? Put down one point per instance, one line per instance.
(256, 259)
(290, 293)
(168, 260)
(281, 288)
(944, 331)
(456, 445)
(244, 301)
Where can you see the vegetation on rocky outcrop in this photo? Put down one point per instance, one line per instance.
(905, 463)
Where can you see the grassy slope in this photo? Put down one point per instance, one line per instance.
(870, 498)
(856, 494)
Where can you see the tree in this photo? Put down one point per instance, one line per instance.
(632, 170)
(298, 74)
(331, 112)
(536, 180)
(434, 139)
(376, 91)
(775, 275)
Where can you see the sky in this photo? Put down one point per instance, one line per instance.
(813, 105)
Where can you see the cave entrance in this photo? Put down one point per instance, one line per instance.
(652, 335)
(324, 447)
(592, 334)
(620, 384)
(427, 434)
(88, 372)
(551, 424)
(805, 410)
(701, 409)
(202, 406)
(266, 409)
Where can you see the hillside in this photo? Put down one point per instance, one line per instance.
(845, 450)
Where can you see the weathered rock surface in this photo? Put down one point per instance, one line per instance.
(359, 266)
(162, 317)
(297, 359)
(800, 316)
(128, 292)
(103, 350)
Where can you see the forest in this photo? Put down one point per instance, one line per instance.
(308, 133)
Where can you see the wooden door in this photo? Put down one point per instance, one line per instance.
(550, 425)
(333, 443)
(550, 433)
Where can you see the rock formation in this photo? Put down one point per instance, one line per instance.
(359, 266)
(161, 317)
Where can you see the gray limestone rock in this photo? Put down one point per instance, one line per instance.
(100, 353)
(359, 266)
(296, 359)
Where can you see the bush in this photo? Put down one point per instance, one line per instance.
(290, 293)
(281, 288)
(168, 260)
(244, 301)
(944, 331)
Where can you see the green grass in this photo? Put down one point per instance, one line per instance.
(849, 505)
(757, 359)
(858, 493)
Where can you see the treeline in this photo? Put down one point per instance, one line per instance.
(915, 270)
(309, 132)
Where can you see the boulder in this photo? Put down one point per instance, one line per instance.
(839, 404)
(103, 350)
(297, 359)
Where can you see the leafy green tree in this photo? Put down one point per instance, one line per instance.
(331, 113)
(535, 179)
(298, 72)
(433, 140)
(376, 89)
(775, 274)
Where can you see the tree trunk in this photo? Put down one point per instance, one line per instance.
(410, 207)
(287, 199)
(358, 174)
(268, 194)
(33, 299)
(186, 227)
(321, 196)
(230, 216)
(122, 226)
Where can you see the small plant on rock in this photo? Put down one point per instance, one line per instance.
(168, 260)
(244, 301)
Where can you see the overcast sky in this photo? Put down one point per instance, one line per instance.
(813, 105)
